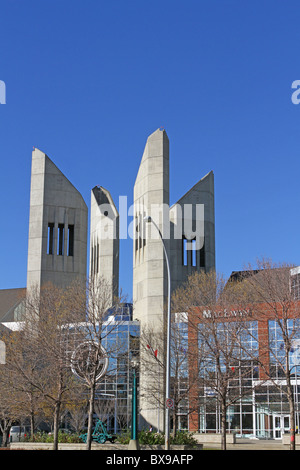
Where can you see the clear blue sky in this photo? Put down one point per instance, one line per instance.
(88, 81)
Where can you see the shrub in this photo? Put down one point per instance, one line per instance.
(151, 438)
(124, 437)
(155, 438)
(184, 438)
(62, 438)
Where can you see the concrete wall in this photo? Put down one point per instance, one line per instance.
(204, 438)
(54, 200)
(193, 217)
(104, 239)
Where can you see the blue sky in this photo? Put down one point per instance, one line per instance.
(88, 81)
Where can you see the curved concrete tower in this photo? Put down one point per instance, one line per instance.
(151, 198)
(57, 244)
(104, 239)
(188, 230)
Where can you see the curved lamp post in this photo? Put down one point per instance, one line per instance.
(134, 443)
(167, 409)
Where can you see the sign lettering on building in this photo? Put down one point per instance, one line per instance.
(226, 313)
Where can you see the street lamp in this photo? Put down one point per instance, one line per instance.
(167, 408)
(134, 443)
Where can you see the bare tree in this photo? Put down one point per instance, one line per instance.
(37, 357)
(267, 290)
(153, 360)
(90, 360)
(8, 410)
(216, 359)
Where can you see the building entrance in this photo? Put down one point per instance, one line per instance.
(281, 425)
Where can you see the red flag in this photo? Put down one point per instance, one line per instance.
(152, 350)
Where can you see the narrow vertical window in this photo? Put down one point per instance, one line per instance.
(92, 261)
(184, 252)
(60, 238)
(202, 256)
(97, 260)
(50, 239)
(70, 240)
(194, 253)
(136, 233)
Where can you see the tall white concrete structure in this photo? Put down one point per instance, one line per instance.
(192, 238)
(151, 198)
(104, 240)
(57, 244)
(57, 247)
(188, 231)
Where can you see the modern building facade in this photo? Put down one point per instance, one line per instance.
(58, 240)
(265, 349)
(57, 253)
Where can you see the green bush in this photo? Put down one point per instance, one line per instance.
(155, 438)
(62, 438)
(144, 437)
(151, 438)
(124, 437)
(184, 438)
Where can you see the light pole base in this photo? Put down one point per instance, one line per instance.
(133, 444)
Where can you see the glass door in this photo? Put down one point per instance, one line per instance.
(281, 425)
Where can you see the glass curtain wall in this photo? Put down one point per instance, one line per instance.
(243, 370)
(263, 410)
(121, 341)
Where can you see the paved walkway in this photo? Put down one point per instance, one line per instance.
(252, 444)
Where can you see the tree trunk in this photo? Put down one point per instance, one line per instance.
(32, 423)
(223, 425)
(290, 397)
(56, 425)
(292, 414)
(5, 432)
(32, 417)
(174, 422)
(90, 418)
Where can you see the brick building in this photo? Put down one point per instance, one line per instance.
(264, 343)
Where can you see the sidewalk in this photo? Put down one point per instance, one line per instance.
(251, 444)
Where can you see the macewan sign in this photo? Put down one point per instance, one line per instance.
(226, 314)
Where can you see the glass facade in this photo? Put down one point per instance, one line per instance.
(255, 407)
(120, 339)
(121, 342)
(223, 360)
(259, 407)
(179, 374)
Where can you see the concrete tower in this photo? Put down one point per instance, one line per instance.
(192, 225)
(57, 244)
(151, 198)
(104, 239)
(188, 230)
